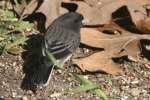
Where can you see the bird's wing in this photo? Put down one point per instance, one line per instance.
(62, 42)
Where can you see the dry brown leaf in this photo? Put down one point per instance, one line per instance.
(144, 25)
(99, 62)
(115, 45)
(111, 6)
(101, 12)
(19, 8)
(88, 12)
(92, 2)
(50, 8)
(30, 8)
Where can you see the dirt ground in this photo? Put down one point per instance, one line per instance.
(133, 85)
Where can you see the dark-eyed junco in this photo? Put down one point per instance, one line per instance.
(61, 39)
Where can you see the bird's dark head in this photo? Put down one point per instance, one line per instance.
(71, 20)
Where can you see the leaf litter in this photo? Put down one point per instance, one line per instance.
(97, 13)
(125, 44)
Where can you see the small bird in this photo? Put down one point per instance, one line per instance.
(61, 40)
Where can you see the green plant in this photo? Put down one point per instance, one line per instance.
(10, 28)
(86, 85)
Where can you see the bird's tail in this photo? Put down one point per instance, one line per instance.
(42, 74)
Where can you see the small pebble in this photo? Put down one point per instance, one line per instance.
(14, 64)
(135, 82)
(14, 94)
(135, 91)
(86, 77)
(24, 98)
(55, 95)
(29, 92)
(1, 64)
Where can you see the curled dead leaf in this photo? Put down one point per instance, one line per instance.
(49, 8)
(144, 25)
(99, 12)
(115, 45)
(30, 8)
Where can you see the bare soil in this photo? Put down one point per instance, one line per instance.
(133, 85)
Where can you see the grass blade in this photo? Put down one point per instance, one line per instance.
(87, 85)
(53, 59)
(82, 88)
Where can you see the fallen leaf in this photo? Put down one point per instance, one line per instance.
(19, 7)
(102, 12)
(30, 8)
(92, 16)
(115, 45)
(50, 8)
(93, 2)
(144, 25)
(100, 61)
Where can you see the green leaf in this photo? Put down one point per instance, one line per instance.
(53, 59)
(4, 27)
(87, 85)
(82, 79)
(100, 93)
(1, 38)
(2, 50)
(18, 41)
(8, 14)
(9, 24)
(15, 50)
(23, 25)
(82, 88)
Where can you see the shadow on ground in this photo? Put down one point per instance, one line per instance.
(32, 57)
(32, 60)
